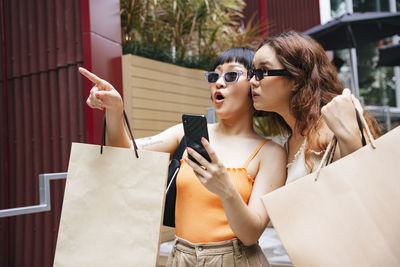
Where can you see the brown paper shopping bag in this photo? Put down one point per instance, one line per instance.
(346, 214)
(113, 207)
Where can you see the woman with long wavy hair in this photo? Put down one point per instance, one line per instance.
(294, 79)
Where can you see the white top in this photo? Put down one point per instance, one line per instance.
(298, 168)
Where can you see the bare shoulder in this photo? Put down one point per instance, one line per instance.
(271, 146)
(272, 165)
(272, 150)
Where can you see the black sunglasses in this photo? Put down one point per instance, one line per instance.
(229, 76)
(261, 73)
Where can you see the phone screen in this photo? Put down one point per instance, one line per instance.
(195, 127)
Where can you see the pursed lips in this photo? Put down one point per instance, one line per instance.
(254, 94)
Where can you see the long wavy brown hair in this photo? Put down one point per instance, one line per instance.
(316, 83)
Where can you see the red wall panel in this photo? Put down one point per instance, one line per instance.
(252, 8)
(298, 15)
(4, 146)
(285, 15)
(102, 51)
(42, 115)
(42, 108)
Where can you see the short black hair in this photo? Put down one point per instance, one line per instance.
(241, 55)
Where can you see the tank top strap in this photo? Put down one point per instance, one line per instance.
(254, 153)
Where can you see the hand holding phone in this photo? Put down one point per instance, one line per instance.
(195, 127)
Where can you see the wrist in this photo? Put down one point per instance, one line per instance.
(228, 194)
(115, 110)
(349, 135)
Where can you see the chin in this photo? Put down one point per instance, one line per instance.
(258, 106)
(220, 114)
(223, 113)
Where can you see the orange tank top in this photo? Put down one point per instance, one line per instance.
(199, 214)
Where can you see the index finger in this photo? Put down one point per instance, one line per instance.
(209, 149)
(96, 80)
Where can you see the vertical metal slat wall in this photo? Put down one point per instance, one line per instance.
(41, 113)
(281, 16)
(298, 15)
(4, 149)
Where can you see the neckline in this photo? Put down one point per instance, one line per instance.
(230, 169)
(297, 155)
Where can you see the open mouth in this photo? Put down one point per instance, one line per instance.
(218, 97)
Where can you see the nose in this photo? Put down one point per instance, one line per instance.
(220, 83)
(254, 82)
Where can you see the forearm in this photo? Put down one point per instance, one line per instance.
(116, 134)
(245, 223)
(349, 138)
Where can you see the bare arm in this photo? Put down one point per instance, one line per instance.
(166, 141)
(247, 221)
(104, 95)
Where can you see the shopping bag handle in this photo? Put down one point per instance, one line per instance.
(360, 127)
(330, 149)
(103, 135)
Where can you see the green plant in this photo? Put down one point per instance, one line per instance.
(188, 33)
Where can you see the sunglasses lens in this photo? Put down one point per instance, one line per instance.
(259, 74)
(230, 76)
(212, 77)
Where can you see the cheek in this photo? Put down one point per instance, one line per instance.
(242, 91)
(240, 99)
(211, 89)
(275, 90)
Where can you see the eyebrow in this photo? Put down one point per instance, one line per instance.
(266, 63)
(231, 66)
(236, 65)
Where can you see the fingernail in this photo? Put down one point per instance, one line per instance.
(96, 94)
(203, 139)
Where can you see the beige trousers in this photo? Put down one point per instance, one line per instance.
(225, 253)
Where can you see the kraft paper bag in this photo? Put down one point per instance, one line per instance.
(348, 215)
(113, 207)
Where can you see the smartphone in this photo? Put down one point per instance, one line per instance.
(195, 127)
